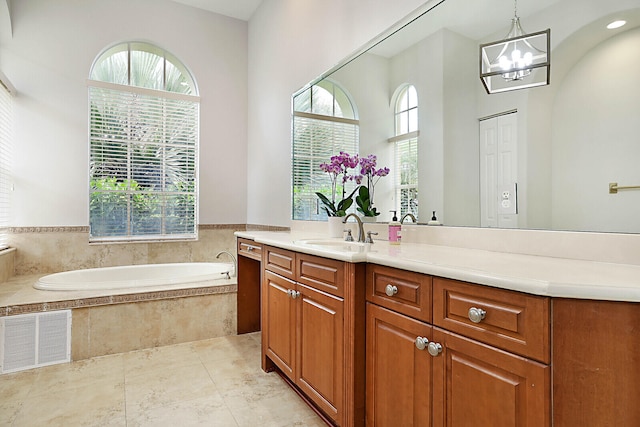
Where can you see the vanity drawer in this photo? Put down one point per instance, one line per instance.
(513, 321)
(321, 273)
(250, 249)
(402, 291)
(280, 261)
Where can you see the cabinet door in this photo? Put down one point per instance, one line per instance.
(278, 332)
(478, 385)
(398, 373)
(319, 369)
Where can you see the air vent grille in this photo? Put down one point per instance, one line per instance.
(33, 340)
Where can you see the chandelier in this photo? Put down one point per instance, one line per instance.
(518, 61)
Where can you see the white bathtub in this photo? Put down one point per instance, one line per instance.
(134, 276)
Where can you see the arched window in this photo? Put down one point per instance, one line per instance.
(144, 134)
(406, 150)
(324, 123)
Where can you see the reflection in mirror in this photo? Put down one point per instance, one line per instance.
(539, 158)
(324, 124)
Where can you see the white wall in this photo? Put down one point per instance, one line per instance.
(599, 144)
(291, 42)
(48, 59)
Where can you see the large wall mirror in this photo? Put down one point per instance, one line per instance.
(567, 141)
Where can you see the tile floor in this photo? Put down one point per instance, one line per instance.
(216, 382)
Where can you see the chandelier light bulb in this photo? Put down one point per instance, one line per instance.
(505, 64)
(528, 58)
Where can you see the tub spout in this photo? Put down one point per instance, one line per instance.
(235, 262)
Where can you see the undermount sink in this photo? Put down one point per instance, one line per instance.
(334, 245)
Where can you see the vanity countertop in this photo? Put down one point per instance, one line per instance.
(538, 275)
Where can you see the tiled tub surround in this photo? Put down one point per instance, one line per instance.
(109, 322)
(7, 268)
(55, 249)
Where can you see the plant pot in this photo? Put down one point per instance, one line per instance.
(369, 219)
(336, 227)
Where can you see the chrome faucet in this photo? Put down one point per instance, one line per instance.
(235, 262)
(360, 226)
(410, 215)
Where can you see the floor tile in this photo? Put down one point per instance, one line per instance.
(216, 382)
(81, 406)
(97, 372)
(163, 387)
(202, 411)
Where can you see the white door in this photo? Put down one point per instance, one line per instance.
(499, 171)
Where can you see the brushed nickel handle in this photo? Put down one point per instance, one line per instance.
(434, 348)
(476, 315)
(421, 343)
(295, 294)
(250, 248)
(289, 292)
(391, 290)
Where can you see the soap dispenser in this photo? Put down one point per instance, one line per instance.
(394, 230)
(434, 220)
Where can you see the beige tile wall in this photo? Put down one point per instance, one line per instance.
(119, 328)
(7, 266)
(54, 249)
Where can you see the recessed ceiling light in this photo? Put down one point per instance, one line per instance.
(616, 24)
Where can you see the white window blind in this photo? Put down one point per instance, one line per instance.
(143, 163)
(406, 175)
(315, 139)
(6, 145)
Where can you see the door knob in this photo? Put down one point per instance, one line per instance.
(421, 343)
(434, 348)
(391, 290)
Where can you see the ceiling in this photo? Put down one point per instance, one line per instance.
(239, 9)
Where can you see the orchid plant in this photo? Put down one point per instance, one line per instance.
(368, 170)
(338, 170)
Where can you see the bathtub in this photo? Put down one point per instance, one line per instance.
(135, 276)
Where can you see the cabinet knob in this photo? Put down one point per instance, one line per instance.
(476, 315)
(391, 290)
(249, 248)
(289, 291)
(434, 348)
(295, 294)
(421, 343)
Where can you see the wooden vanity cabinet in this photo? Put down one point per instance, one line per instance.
(427, 375)
(398, 374)
(313, 330)
(248, 274)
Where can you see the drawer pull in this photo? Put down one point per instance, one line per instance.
(391, 290)
(476, 315)
(421, 343)
(250, 248)
(434, 348)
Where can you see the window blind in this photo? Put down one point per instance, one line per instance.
(6, 145)
(315, 139)
(406, 175)
(143, 164)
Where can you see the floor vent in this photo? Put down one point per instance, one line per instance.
(34, 340)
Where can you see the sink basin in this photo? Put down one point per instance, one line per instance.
(334, 245)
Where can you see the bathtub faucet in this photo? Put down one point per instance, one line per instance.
(235, 263)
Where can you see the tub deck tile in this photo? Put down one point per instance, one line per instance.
(17, 295)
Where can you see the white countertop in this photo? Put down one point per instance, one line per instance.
(546, 276)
